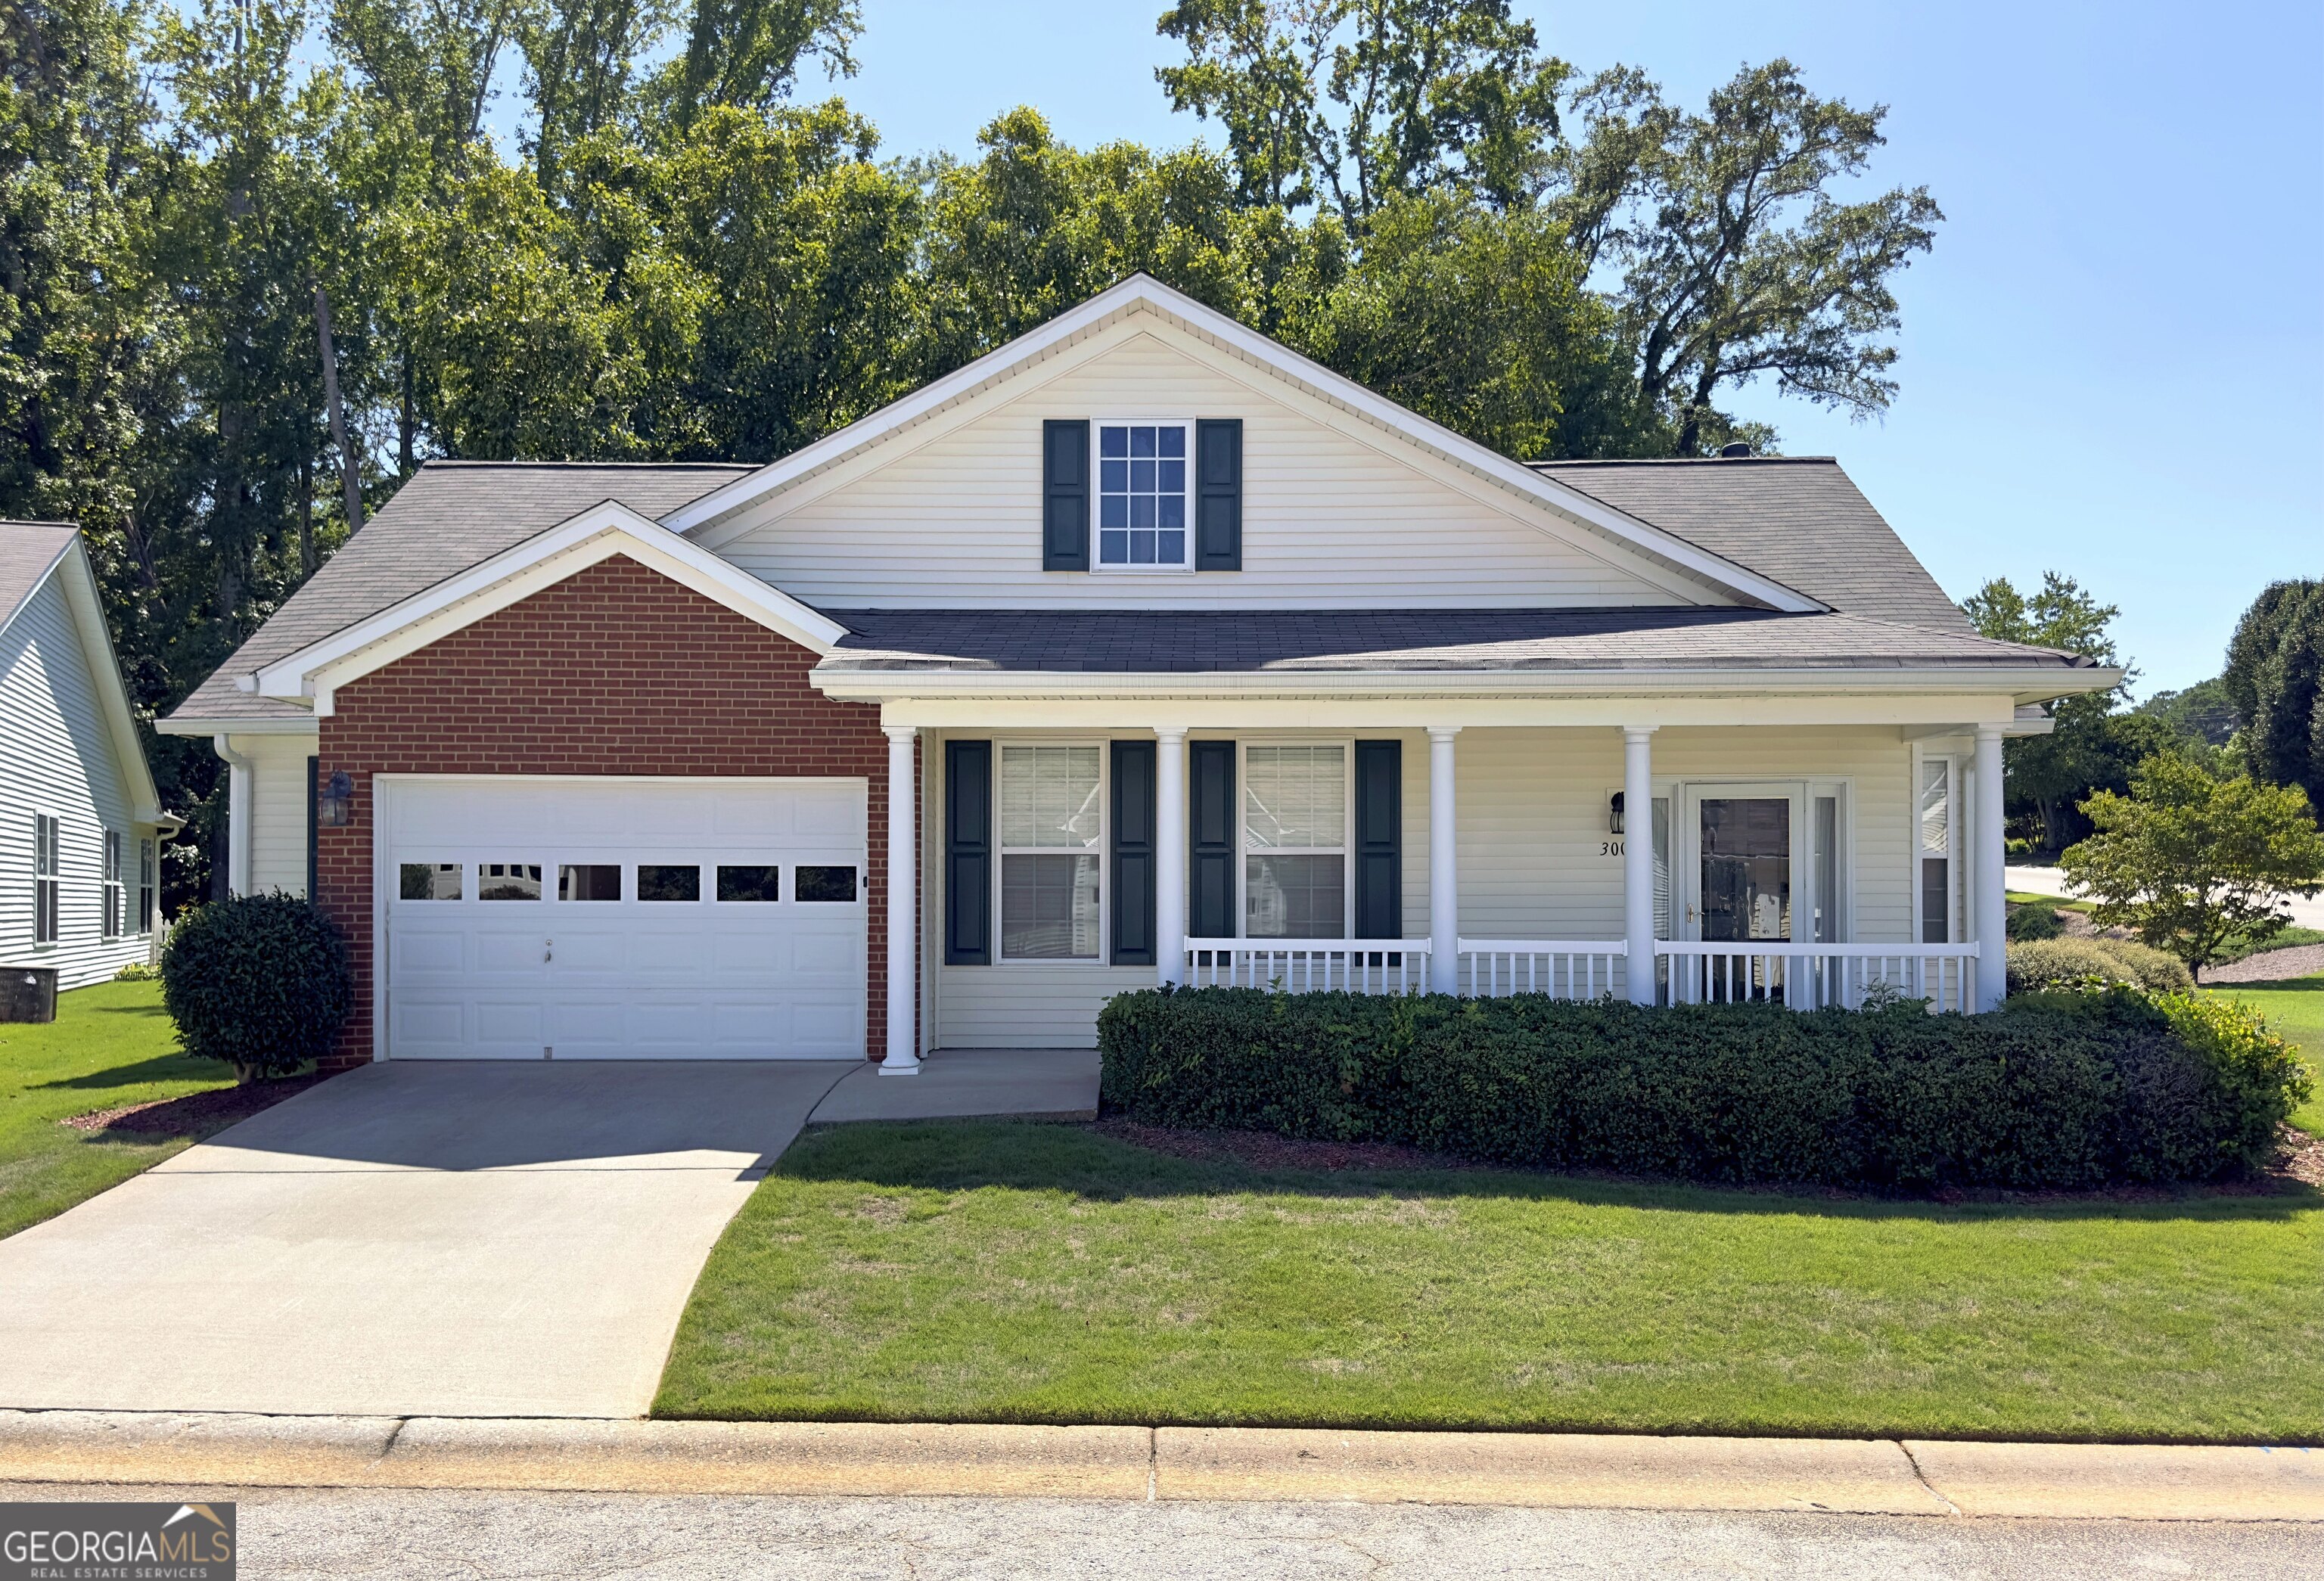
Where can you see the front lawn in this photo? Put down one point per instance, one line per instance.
(1000, 1272)
(2294, 1011)
(109, 1047)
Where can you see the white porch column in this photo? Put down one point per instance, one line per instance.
(237, 814)
(1638, 860)
(1987, 896)
(1170, 854)
(903, 906)
(1444, 866)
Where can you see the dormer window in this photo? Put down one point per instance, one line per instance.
(1142, 496)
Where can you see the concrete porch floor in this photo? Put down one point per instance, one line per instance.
(962, 1083)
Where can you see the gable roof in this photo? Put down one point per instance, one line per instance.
(447, 518)
(1141, 293)
(32, 553)
(1800, 519)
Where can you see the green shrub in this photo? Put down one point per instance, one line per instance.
(258, 981)
(2049, 963)
(2057, 1091)
(2034, 921)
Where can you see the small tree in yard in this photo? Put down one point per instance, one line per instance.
(2195, 864)
(259, 981)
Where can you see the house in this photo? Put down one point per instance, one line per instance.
(1142, 649)
(81, 825)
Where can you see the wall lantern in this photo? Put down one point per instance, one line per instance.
(1614, 815)
(336, 807)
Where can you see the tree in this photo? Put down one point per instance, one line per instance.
(1357, 103)
(746, 53)
(2201, 715)
(2197, 865)
(2275, 680)
(1735, 259)
(2092, 745)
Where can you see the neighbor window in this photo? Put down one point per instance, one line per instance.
(508, 881)
(823, 883)
(750, 882)
(1936, 828)
(1295, 831)
(429, 881)
(145, 877)
(1049, 833)
(117, 899)
(1141, 494)
(589, 881)
(46, 867)
(666, 882)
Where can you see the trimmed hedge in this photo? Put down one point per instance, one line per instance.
(2064, 1091)
(259, 981)
(2036, 964)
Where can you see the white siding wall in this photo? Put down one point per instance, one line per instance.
(278, 795)
(1330, 519)
(1532, 827)
(56, 758)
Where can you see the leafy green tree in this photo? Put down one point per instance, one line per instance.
(746, 53)
(2201, 715)
(1736, 259)
(2197, 865)
(1357, 103)
(2275, 680)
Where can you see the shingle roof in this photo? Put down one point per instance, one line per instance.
(1798, 520)
(27, 551)
(449, 516)
(1193, 642)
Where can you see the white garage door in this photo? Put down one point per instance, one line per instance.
(624, 919)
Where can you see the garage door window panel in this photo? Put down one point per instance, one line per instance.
(816, 884)
(589, 881)
(1052, 825)
(761, 884)
(429, 880)
(662, 881)
(508, 881)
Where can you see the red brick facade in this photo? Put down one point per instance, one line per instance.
(615, 670)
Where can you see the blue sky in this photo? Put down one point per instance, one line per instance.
(2109, 361)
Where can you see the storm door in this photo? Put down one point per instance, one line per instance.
(1748, 880)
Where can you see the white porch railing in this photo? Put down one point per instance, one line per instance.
(1808, 977)
(1564, 969)
(1300, 966)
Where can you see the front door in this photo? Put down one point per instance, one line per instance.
(1744, 875)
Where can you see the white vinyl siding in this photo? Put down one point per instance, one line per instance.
(1534, 849)
(279, 796)
(57, 759)
(1335, 514)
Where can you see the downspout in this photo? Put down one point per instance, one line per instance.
(238, 815)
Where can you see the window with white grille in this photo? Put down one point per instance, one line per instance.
(1052, 825)
(1295, 829)
(46, 871)
(116, 898)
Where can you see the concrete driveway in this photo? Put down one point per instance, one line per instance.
(469, 1240)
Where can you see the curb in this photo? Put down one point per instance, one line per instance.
(1554, 1470)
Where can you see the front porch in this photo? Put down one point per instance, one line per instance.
(1809, 861)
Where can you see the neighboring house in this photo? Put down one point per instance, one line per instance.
(1141, 650)
(80, 826)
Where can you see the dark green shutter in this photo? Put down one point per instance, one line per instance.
(1065, 496)
(1379, 840)
(314, 863)
(1134, 873)
(968, 853)
(1218, 494)
(1210, 840)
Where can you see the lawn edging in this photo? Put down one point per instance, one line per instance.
(1543, 1470)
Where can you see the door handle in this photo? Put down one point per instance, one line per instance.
(548, 951)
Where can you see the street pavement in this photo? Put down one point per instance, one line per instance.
(350, 1534)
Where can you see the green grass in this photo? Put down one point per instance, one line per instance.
(2055, 902)
(2294, 1011)
(110, 1045)
(999, 1271)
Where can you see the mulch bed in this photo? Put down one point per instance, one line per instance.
(2298, 1167)
(2269, 966)
(196, 1114)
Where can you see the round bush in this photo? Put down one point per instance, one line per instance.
(2155, 970)
(2034, 921)
(259, 981)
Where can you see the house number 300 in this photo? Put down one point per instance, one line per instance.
(1609, 847)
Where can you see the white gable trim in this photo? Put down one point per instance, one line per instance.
(77, 579)
(1141, 292)
(597, 534)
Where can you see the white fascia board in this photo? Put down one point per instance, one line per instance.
(1898, 715)
(2014, 685)
(79, 582)
(1144, 291)
(541, 561)
(189, 724)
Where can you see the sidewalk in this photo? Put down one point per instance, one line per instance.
(1544, 1470)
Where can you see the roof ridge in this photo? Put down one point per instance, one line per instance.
(450, 461)
(1687, 461)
